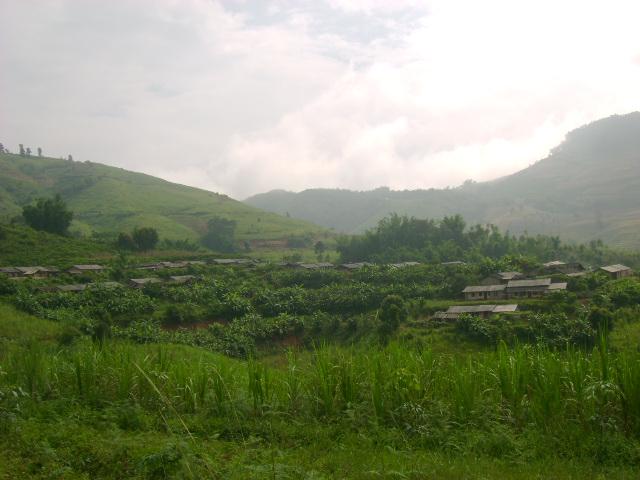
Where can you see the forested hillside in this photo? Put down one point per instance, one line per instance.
(587, 188)
(107, 199)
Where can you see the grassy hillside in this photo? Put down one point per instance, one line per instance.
(24, 246)
(109, 199)
(587, 188)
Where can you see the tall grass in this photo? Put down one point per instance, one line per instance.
(577, 393)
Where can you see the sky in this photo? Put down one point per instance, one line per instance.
(242, 97)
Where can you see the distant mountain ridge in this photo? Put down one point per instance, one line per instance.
(107, 199)
(587, 188)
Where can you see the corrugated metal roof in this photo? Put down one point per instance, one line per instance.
(31, 270)
(9, 270)
(78, 287)
(353, 266)
(182, 278)
(554, 263)
(505, 308)
(404, 264)
(484, 288)
(471, 308)
(536, 282)
(144, 281)
(461, 309)
(615, 268)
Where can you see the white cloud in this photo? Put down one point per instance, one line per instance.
(241, 97)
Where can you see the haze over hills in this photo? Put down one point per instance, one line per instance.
(106, 199)
(587, 188)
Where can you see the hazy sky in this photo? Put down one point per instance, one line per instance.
(243, 97)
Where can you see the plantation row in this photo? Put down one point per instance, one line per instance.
(245, 309)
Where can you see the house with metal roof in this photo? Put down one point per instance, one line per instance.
(143, 282)
(36, 272)
(527, 288)
(555, 287)
(312, 266)
(404, 264)
(564, 268)
(10, 272)
(233, 261)
(80, 269)
(182, 279)
(355, 265)
(484, 292)
(454, 312)
(74, 288)
(617, 271)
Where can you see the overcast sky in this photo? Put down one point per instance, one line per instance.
(242, 97)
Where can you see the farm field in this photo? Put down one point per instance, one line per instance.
(274, 371)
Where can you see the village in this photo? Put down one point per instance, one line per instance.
(481, 300)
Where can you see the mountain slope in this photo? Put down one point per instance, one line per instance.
(587, 188)
(108, 199)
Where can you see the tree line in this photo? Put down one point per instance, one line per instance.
(400, 238)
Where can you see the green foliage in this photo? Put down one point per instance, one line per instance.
(145, 238)
(601, 320)
(184, 245)
(24, 246)
(621, 293)
(220, 234)
(391, 314)
(125, 241)
(319, 248)
(7, 287)
(513, 406)
(299, 241)
(398, 238)
(48, 214)
(180, 314)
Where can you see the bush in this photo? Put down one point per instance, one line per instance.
(179, 314)
(392, 312)
(125, 241)
(145, 238)
(7, 286)
(48, 214)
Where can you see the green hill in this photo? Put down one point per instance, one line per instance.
(587, 188)
(20, 245)
(107, 199)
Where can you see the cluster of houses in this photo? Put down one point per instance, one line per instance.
(528, 288)
(47, 272)
(345, 266)
(169, 265)
(133, 283)
(513, 285)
